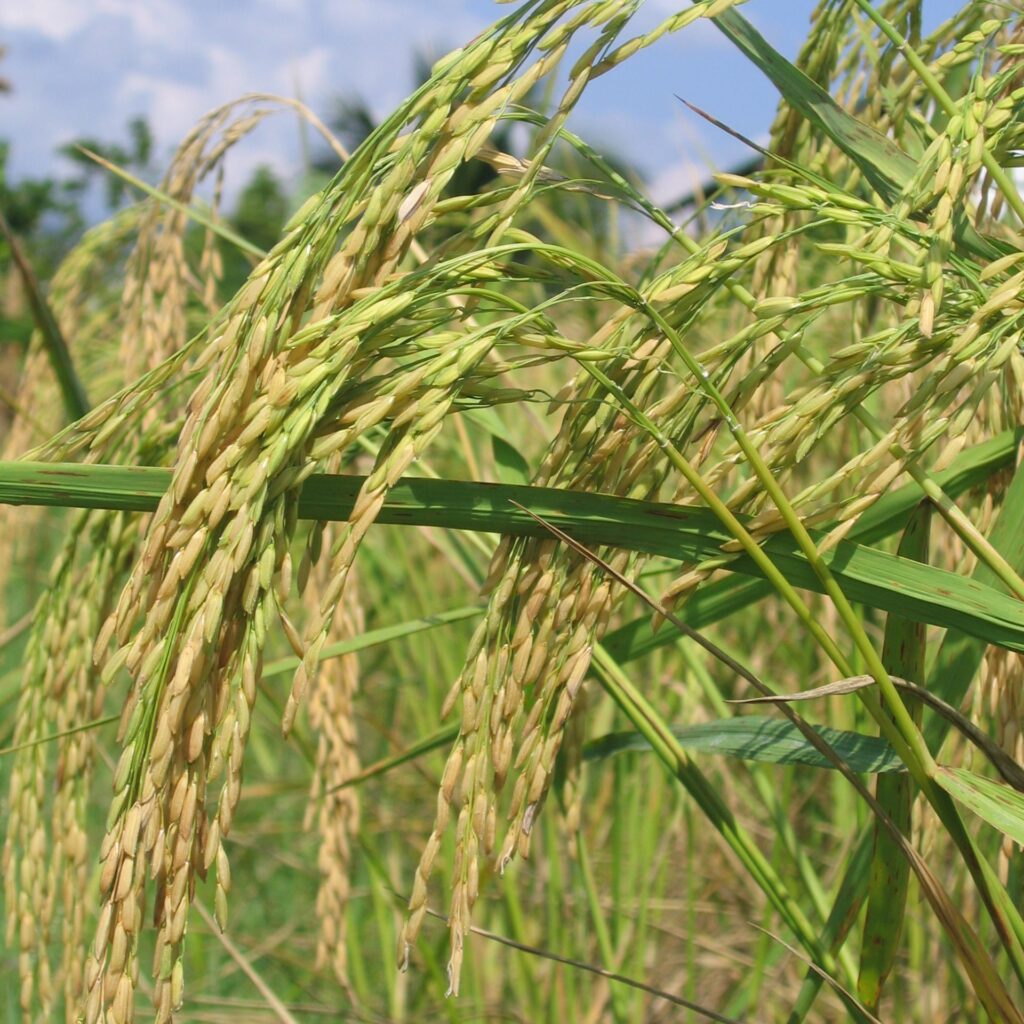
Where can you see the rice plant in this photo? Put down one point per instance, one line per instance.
(517, 515)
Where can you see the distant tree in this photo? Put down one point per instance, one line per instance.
(258, 216)
(48, 214)
(34, 206)
(135, 156)
(261, 209)
(5, 83)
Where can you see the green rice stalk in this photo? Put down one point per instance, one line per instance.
(903, 651)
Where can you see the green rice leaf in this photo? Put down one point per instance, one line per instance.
(921, 593)
(961, 651)
(76, 401)
(710, 603)
(375, 637)
(880, 160)
(768, 740)
(884, 165)
(201, 218)
(512, 467)
(995, 802)
(435, 741)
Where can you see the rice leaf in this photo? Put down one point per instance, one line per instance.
(767, 740)
(919, 592)
(880, 160)
(373, 637)
(435, 741)
(710, 603)
(511, 466)
(721, 598)
(76, 401)
(995, 802)
(884, 165)
(210, 223)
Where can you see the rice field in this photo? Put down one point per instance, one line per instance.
(475, 617)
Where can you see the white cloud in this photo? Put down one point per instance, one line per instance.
(309, 72)
(171, 106)
(53, 19)
(153, 20)
(230, 74)
(59, 20)
(677, 179)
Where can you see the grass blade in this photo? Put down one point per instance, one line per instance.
(880, 160)
(211, 224)
(373, 637)
(76, 401)
(995, 802)
(919, 592)
(441, 738)
(767, 740)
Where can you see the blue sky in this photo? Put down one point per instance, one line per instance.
(84, 67)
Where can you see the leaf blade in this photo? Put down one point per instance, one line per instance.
(687, 533)
(994, 802)
(764, 740)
